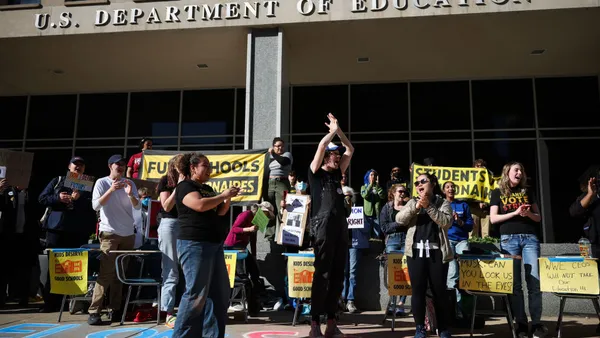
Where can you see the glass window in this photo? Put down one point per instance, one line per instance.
(440, 105)
(111, 108)
(154, 114)
(312, 104)
(16, 108)
(377, 156)
(445, 153)
(503, 104)
(240, 118)
(96, 160)
(51, 116)
(379, 107)
(568, 102)
(303, 156)
(567, 161)
(47, 164)
(207, 112)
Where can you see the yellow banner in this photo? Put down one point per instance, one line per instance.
(569, 275)
(495, 275)
(231, 263)
(475, 184)
(68, 271)
(245, 169)
(398, 278)
(300, 276)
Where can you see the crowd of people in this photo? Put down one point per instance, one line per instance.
(430, 229)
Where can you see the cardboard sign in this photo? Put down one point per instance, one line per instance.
(17, 167)
(398, 277)
(295, 215)
(230, 262)
(356, 219)
(260, 220)
(79, 182)
(68, 271)
(300, 271)
(569, 275)
(487, 274)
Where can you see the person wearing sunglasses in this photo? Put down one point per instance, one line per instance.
(395, 232)
(428, 217)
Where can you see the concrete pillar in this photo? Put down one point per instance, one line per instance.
(267, 116)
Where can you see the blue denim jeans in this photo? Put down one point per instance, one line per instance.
(395, 242)
(457, 247)
(350, 273)
(167, 243)
(528, 246)
(203, 307)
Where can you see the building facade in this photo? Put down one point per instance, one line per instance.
(454, 80)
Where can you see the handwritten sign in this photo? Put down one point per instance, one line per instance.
(260, 220)
(356, 219)
(230, 262)
(300, 276)
(295, 215)
(569, 275)
(398, 278)
(487, 275)
(79, 182)
(68, 271)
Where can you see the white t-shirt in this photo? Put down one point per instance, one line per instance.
(116, 215)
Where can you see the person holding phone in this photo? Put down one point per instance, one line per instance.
(513, 208)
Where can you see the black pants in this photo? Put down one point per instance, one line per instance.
(330, 243)
(430, 272)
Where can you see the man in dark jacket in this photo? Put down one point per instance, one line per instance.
(587, 208)
(70, 222)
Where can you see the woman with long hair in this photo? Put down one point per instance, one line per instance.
(395, 232)
(167, 238)
(203, 307)
(513, 209)
(428, 251)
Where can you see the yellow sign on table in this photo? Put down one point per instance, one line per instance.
(231, 263)
(486, 274)
(398, 278)
(300, 271)
(569, 275)
(68, 271)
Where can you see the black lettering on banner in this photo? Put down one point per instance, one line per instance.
(297, 263)
(159, 167)
(247, 184)
(225, 167)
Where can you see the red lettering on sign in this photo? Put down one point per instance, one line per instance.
(303, 277)
(68, 267)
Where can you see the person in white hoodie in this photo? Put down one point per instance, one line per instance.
(115, 197)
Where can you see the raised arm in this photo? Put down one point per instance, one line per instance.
(317, 161)
(347, 156)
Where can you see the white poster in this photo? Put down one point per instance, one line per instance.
(296, 203)
(356, 219)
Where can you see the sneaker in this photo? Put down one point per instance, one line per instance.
(170, 322)
(278, 305)
(445, 334)
(332, 330)
(315, 330)
(305, 309)
(236, 308)
(94, 319)
(351, 307)
(539, 331)
(400, 310)
(420, 332)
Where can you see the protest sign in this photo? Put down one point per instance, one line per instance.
(17, 167)
(231, 263)
(79, 182)
(68, 271)
(398, 277)
(295, 214)
(487, 274)
(356, 219)
(260, 220)
(300, 275)
(569, 275)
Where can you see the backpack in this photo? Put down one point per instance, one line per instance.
(49, 209)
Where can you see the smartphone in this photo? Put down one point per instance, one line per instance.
(2, 172)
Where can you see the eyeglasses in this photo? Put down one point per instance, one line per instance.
(401, 191)
(423, 181)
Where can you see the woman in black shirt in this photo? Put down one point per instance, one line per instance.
(203, 308)
(514, 210)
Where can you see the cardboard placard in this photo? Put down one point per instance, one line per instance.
(356, 219)
(79, 182)
(68, 271)
(398, 277)
(231, 263)
(569, 275)
(487, 274)
(300, 271)
(260, 220)
(150, 185)
(17, 167)
(295, 215)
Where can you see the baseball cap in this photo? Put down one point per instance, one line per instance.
(333, 147)
(77, 159)
(268, 209)
(116, 158)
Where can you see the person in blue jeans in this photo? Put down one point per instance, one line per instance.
(514, 210)
(396, 233)
(458, 234)
(373, 196)
(202, 230)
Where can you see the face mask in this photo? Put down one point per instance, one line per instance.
(301, 186)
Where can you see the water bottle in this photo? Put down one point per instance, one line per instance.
(585, 247)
